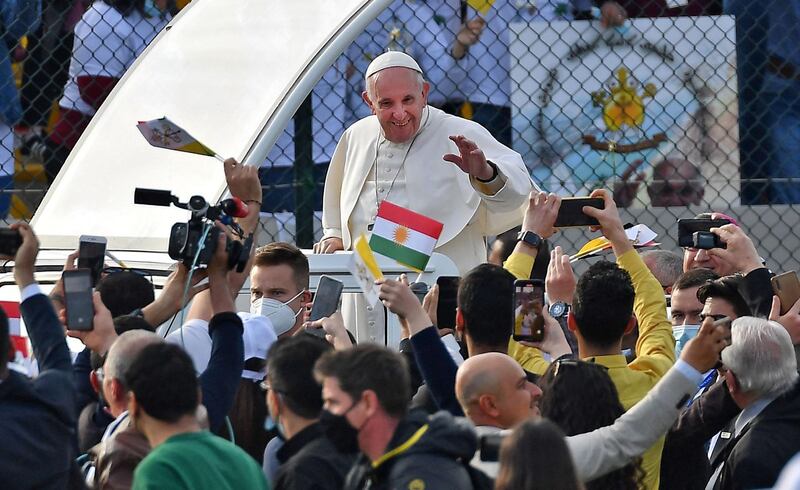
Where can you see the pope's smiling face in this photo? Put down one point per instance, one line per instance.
(397, 96)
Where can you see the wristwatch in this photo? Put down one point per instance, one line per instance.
(559, 309)
(530, 238)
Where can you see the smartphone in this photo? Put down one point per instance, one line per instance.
(326, 299)
(92, 255)
(688, 227)
(571, 211)
(78, 299)
(787, 288)
(528, 304)
(448, 294)
(10, 241)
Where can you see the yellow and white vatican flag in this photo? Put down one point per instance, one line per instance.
(365, 269)
(163, 133)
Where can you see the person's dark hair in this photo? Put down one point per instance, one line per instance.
(5, 342)
(541, 262)
(694, 278)
(164, 382)
(290, 370)
(281, 253)
(369, 367)
(125, 323)
(580, 397)
(485, 298)
(603, 303)
(508, 240)
(124, 291)
(535, 457)
(127, 7)
(726, 288)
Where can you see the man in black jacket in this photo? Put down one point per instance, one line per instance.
(308, 459)
(763, 380)
(37, 417)
(366, 394)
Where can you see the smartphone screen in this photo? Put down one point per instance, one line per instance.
(326, 299)
(78, 299)
(91, 255)
(571, 211)
(446, 308)
(528, 304)
(688, 227)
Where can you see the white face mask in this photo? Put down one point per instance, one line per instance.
(683, 334)
(280, 314)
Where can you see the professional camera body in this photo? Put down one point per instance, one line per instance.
(195, 242)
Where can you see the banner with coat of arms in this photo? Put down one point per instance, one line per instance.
(648, 109)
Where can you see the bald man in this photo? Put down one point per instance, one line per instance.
(495, 394)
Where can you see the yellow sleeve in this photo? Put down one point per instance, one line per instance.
(530, 358)
(519, 265)
(655, 349)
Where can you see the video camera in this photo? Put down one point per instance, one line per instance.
(185, 238)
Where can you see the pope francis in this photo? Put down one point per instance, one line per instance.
(418, 157)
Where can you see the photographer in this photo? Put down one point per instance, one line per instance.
(37, 417)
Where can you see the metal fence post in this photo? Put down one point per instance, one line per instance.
(304, 175)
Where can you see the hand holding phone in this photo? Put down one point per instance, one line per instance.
(787, 288)
(687, 229)
(528, 305)
(78, 299)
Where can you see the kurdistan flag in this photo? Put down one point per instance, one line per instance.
(405, 236)
(163, 133)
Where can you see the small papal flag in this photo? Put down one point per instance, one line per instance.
(405, 236)
(365, 270)
(163, 133)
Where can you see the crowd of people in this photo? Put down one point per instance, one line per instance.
(77, 50)
(623, 390)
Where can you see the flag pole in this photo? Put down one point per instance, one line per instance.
(218, 157)
(419, 276)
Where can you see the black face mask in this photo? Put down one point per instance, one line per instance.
(339, 431)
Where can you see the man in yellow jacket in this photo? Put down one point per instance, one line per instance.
(603, 307)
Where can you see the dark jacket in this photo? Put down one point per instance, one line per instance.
(309, 461)
(756, 457)
(429, 452)
(684, 461)
(37, 417)
(756, 290)
(117, 457)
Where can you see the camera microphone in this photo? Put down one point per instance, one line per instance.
(152, 197)
(235, 207)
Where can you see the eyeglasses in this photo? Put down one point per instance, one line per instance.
(265, 387)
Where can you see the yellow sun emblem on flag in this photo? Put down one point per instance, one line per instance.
(400, 235)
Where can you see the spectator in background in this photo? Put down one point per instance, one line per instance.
(108, 38)
(37, 417)
(163, 406)
(17, 18)
(763, 381)
(721, 298)
(308, 459)
(694, 258)
(686, 308)
(535, 457)
(616, 12)
(366, 393)
(665, 265)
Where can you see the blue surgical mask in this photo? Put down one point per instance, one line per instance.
(683, 334)
(280, 314)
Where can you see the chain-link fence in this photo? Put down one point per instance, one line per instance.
(678, 106)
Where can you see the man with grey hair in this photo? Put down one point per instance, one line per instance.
(122, 446)
(762, 379)
(666, 265)
(415, 156)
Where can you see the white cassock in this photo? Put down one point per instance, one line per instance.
(367, 169)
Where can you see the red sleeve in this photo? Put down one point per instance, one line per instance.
(94, 90)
